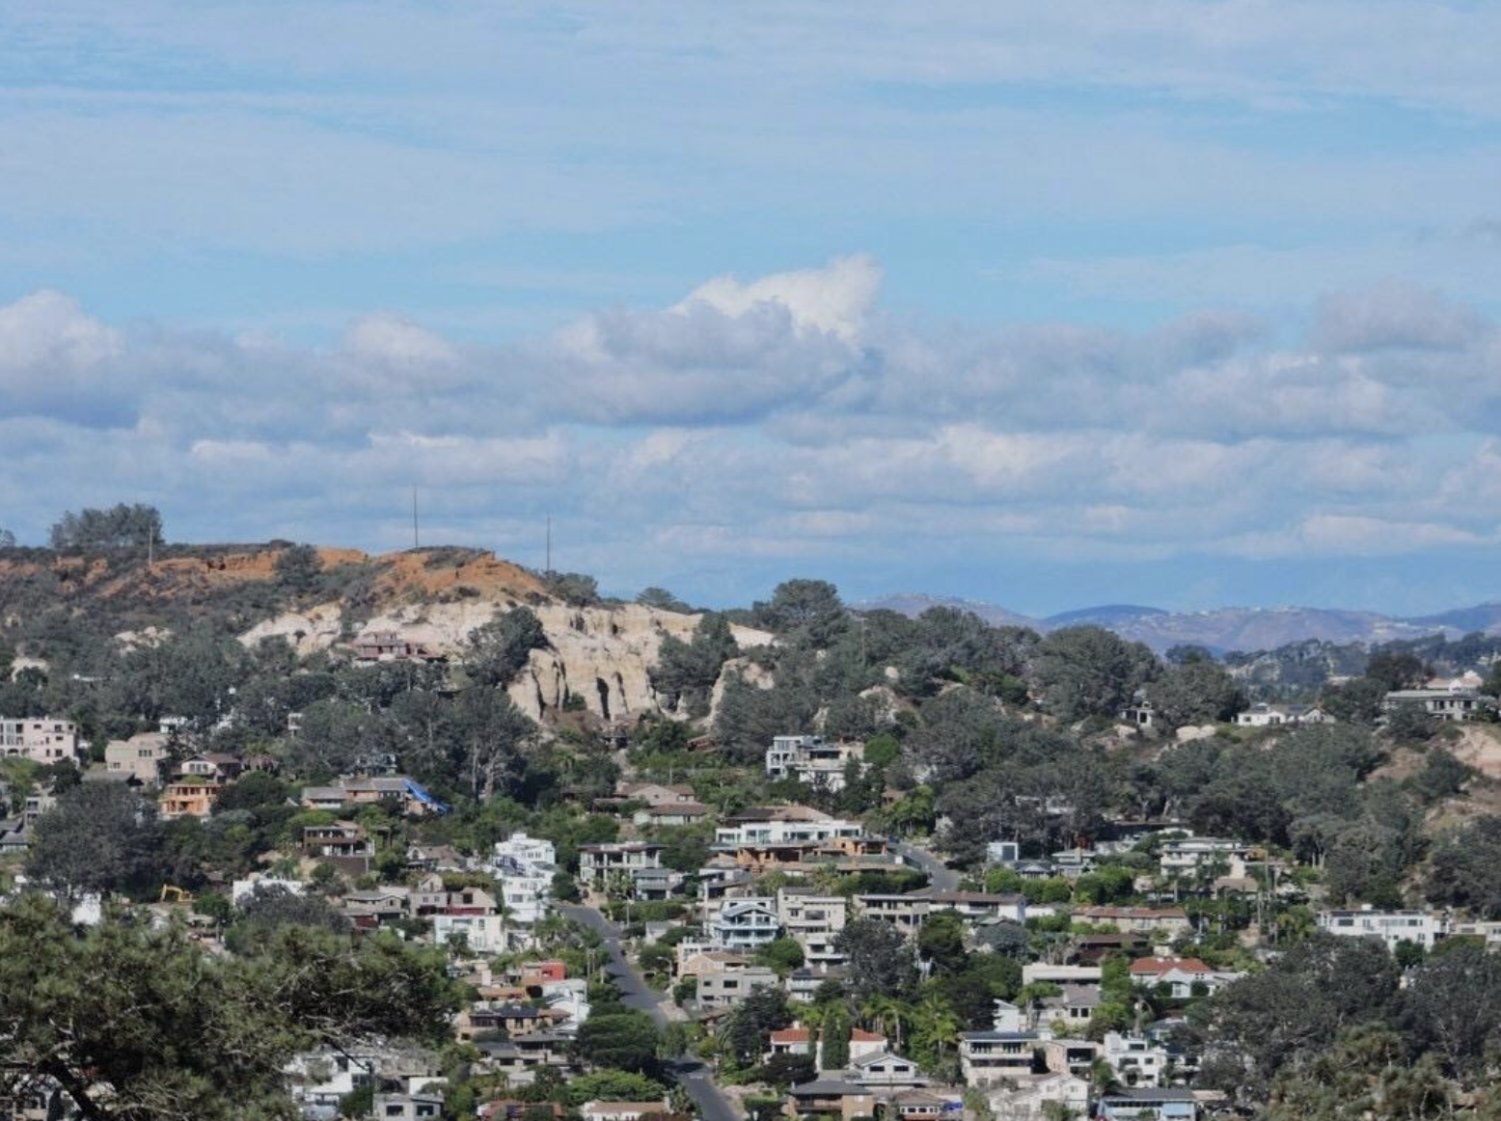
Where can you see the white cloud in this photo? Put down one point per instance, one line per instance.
(749, 425)
(46, 336)
(835, 298)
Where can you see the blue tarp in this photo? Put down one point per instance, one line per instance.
(416, 790)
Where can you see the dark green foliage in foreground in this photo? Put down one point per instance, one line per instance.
(178, 1034)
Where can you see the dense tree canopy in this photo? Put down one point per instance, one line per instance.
(119, 527)
(142, 1024)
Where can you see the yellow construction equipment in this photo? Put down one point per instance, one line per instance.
(171, 893)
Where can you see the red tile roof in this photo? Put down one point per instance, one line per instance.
(1152, 967)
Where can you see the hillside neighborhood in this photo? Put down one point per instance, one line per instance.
(868, 867)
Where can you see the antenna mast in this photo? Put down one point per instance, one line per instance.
(415, 541)
(548, 570)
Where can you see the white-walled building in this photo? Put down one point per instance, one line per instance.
(812, 760)
(1424, 928)
(527, 850)
(784, 825)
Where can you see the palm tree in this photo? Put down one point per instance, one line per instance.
(886, 1014)
(935, 1028)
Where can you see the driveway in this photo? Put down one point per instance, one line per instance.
(941, 877)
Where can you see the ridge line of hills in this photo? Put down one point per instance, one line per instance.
(1224, 629)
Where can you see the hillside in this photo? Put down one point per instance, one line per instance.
(70, 609)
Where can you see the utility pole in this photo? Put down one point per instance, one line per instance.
(415, 541)
(548, 570)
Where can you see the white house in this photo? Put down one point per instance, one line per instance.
(1276, 715)
(1187, 854)
(1424, 928)
(1030, 1097)
(527, 850)
(988, 1057)
(784, 825)
(812, 760)
(598, 863)
(1136, 1061)
(484, 934)
(1181, 977)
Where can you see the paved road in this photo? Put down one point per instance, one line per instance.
(691, 1074)
(940, 875)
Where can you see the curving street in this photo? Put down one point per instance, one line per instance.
(689, 1072)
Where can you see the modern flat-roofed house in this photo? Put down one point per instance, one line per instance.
(598, 863)
(1187, 854)
(1277, 715)
(623, 1111)
(1149, 1104)
(1422, 928)
(774, 825)
(42, 739)
(812, 760)
(727, 988)
(1452, 704)
(987, 1057)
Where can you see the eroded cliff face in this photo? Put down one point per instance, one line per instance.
(603, 655)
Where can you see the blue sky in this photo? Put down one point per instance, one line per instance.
(1187, 302)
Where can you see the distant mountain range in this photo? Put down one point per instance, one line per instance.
(1223, 629)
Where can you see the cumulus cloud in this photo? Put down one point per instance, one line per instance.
(783, 417)
(835, 298)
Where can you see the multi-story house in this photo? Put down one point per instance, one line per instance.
(1187, 855)
(814, 919)
(1136, 1061)
(189, 798)
(482, 933)
(988, 1057)
(343, 844)
(744, 924)
(600, 864)
(1423, 928)
(527, 850)
(812, 760)
(139, 759)
(42, 739)
(783, 825)
(727, 988)
(905, 912)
